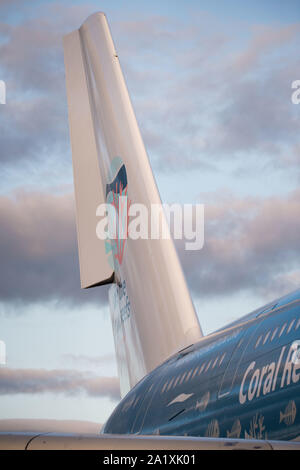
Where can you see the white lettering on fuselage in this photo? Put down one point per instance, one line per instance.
(264, 380)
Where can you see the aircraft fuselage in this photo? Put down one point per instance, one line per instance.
(240, 382)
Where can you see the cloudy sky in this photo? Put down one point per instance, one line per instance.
(210, 82)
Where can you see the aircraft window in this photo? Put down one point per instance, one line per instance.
(282, 329)
(298, 324)
(215, 362)
(195, 372)
(222, 359)
(290, 326)
(258, 341)
(274, 333)
(266, 337)
(208, 366)
(202, 367)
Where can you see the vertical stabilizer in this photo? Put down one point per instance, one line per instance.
(152, 312)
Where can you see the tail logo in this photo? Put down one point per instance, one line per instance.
(116, 197)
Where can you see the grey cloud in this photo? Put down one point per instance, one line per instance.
(264, 39)
(197, 101)
(204, 104)
(250, 245)
(32, 54)
(38, 250)
(34, 121)
(49, 425)
(260, 119)
(33, 132)
(218, 105)
(69, 382)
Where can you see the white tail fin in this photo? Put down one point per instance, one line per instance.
(152, 312)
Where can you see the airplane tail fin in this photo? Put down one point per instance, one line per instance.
(151, 309)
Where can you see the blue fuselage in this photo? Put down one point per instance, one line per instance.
(240, 382)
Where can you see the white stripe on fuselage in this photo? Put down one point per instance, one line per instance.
(180, 398)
